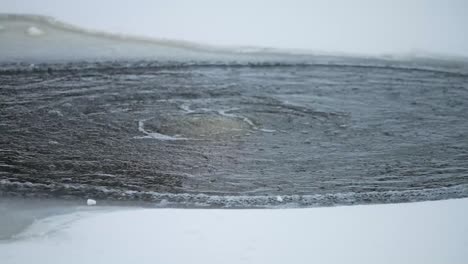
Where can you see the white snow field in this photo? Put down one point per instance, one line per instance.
(425, 232)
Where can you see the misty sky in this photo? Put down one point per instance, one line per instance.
(358, 26)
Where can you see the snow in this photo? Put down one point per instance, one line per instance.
(426, 232)
(34, 31)
(362, 26)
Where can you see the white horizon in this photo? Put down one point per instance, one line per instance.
(362, 27)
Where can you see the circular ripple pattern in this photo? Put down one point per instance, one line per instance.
(234, 135)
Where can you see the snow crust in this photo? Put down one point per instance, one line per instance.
(426, 232)
(34, 31)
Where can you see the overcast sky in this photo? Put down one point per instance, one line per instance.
(351, 26)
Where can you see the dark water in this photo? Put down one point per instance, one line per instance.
(233, 136)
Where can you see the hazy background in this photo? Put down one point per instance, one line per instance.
(358, 26)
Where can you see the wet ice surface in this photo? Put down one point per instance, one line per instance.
(17, 214)
(234, 136)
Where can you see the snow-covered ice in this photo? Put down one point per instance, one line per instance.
(426, 232)
(34, 31)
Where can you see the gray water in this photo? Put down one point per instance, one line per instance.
(233, 135)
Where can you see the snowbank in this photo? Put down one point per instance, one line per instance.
(427, 232)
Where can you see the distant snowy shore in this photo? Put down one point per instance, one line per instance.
(425, 232)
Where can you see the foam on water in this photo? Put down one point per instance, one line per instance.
(154, 135)
(187, 109)
(202, 200)
(243, 118)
